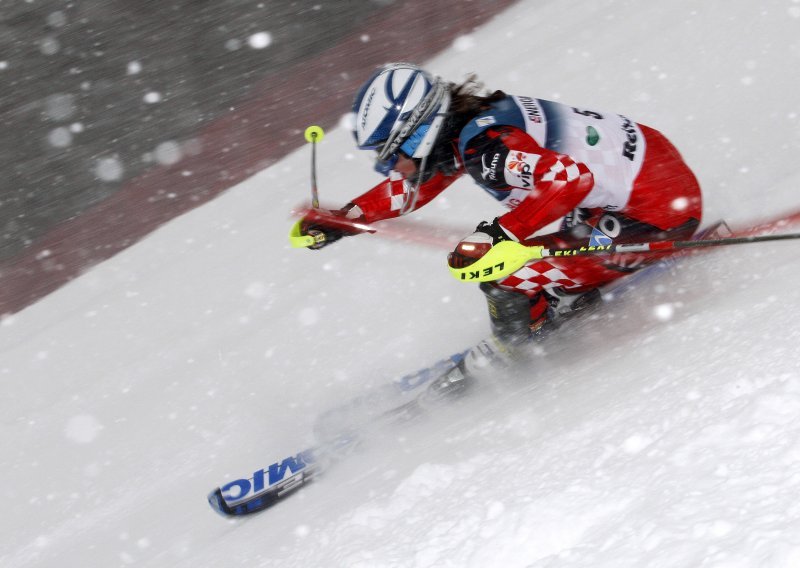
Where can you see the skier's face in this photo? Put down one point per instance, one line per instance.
(405, 166)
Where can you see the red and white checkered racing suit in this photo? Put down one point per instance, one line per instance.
(608, 178)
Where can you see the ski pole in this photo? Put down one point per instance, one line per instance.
(313, 135)
(507, 257)
(297, 239)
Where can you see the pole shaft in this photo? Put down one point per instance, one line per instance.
(314, 190)
(663, 246)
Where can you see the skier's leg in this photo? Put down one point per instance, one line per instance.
(509, 314)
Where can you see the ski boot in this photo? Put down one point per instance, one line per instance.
(516, 322)
(567, 304)
(510, 317)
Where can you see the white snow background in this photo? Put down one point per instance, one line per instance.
(663, 432)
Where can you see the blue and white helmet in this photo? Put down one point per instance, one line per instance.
(400, 108)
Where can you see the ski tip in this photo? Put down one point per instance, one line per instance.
(218, 503)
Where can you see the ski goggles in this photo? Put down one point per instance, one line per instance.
(407, 149)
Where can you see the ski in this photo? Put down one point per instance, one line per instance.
(268, 486)
(340, 430)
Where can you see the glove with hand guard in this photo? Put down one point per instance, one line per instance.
(328, 226)
(473, 247)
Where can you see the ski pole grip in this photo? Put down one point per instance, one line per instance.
(299, 240)
(503, 259)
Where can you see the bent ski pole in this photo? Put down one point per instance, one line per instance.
(297, 239)
(507, 257)
(313, 135)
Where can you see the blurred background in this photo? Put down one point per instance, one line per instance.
(118, 115)
(97, 91)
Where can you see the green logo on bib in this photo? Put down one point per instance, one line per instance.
(592, 136)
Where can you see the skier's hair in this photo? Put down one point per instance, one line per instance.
(466, 102)
(466, 98)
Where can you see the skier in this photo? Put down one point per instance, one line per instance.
(605, 177)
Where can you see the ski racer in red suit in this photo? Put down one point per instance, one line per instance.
(605, 177)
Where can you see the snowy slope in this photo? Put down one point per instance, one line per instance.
(662, 432)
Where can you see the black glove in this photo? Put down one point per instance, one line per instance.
(323, 236)
(473, 247)
(327, 227)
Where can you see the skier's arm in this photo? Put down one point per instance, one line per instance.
(540, 185)
(384, 201)
(387, 199)
(545, 185)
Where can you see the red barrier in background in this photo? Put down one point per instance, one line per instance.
(257, 133)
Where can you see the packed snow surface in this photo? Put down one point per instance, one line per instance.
(662, 431)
